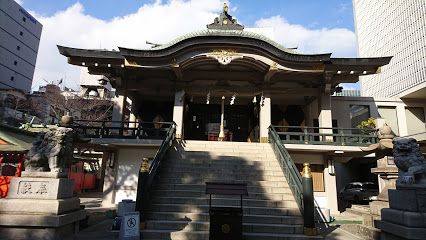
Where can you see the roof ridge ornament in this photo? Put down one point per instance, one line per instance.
(225, 21)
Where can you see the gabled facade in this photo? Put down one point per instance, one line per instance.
(231, 84)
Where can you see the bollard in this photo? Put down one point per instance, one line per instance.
(140, 198)
(308, 202)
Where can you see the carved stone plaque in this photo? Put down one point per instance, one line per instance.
(40, 188)
(37, 188)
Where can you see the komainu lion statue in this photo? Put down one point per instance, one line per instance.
(409, 160)
(51, 151)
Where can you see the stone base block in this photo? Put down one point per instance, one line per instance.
(40, 220)
(404, 218)
(412, 200)
(388, 236)
(364, 232)
(44, 174)
(40, 188)
(66, 232)
(395, 231)
(377, 206)
(26, 206)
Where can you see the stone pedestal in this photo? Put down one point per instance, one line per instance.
(406, 217)
(388, 174)
(40, 206)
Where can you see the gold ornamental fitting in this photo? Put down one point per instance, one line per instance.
(145, 165)
(306, 173)
(225, 7)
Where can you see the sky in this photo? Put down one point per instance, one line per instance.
(314, 26)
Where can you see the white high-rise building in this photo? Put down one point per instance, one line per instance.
(393, 28)
(19, 40)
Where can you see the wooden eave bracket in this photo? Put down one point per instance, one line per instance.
(273, 69)
(178, 72)
(328, 76)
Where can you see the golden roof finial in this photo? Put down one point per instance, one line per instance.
(225, 7)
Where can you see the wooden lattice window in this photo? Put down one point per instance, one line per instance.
(317, 176)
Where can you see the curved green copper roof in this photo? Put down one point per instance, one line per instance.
(226, 33)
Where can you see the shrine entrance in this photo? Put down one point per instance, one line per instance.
(241, 121)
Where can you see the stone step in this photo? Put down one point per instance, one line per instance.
(206, 177)
(243, 155)
(278, 236)
(165, 234)
(179, 206)
(229, 150)
(205, 167)
(224, 161)
(204, 235)
(263, 184)
(232, 202)
(202, 188)
(189, 225)
(226, 144)
(211, 170)
(202, 180)
(186, 193)
(205, 217)
(219, 167)
(292, 211)
(225, 173)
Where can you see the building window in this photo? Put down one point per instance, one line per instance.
(415, 120)
(18, 48)
(24, 19)
(389, 114)
(15, 63)
(12, 78)
(358, 114)
(21, 33)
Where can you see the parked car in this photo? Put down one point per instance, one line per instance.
(359, 191)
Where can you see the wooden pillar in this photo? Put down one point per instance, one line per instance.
(178, 112)
(324, 116)
(264, 119)
(118, 111)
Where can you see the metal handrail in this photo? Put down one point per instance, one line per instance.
(326, 135)
(288, 167)
(119, 129)
(146, 178)
(292, 175)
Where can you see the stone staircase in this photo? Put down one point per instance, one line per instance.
(179, 209)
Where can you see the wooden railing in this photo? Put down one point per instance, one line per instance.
(118, 129)
(326, 136)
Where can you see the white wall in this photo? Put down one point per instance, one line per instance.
(128, 165)
(341, 109)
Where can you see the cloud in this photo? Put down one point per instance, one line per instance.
(156, 22)
(343, 7)
(339, 41)
(159, 22)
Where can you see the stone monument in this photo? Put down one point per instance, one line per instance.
(40, 204)
(406, 216)
(387, 172)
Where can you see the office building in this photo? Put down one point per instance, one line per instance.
(398, 29)
(19, 41)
